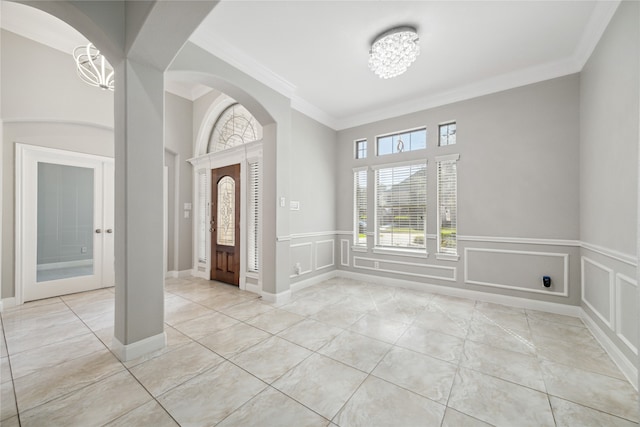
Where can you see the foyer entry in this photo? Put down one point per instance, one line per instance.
(225, 224)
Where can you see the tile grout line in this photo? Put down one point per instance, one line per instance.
(125, 369)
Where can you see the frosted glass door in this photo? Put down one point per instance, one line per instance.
(65, 222)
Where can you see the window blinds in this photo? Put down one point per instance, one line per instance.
(203, 216)
(360, 208)
(447, 207)
(253, 216)
(401, 205)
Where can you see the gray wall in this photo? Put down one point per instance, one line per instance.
(42, 83)
(609, 111)
(313, 185)
(178, 140)
(518, 178)
(313, 175)
(58, 112)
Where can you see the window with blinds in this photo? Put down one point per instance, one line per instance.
(253, 217)
(360, 207)
(401, 206)
(203, 215)
(448, 205)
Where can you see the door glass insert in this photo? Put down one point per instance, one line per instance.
(226, 227)
(65, 222)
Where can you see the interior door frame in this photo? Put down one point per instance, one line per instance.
(23, 153)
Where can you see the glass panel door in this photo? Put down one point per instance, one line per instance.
(64, 216)
(65, 222)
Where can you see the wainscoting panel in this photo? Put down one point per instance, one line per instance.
(406, 268)
(325, 254)
(344, 252)
(598, 290)
(302, 254)
(518, 270)
(627, 317)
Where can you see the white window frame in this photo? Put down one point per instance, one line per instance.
(450, 122)
(355, 148)
(384, 135)
(445, 255)
(356, 214)
(401, 250)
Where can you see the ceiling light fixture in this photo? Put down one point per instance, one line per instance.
(393, 51)
(92, 67)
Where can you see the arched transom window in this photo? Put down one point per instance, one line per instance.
(235, 126)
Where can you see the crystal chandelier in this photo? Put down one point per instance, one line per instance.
(393, 51)
(92, 67)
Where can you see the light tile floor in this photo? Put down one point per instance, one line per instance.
(342, 353)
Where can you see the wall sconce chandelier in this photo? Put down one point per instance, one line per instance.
(393, 51)
(92, 67)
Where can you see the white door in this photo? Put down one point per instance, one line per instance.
(65, 222)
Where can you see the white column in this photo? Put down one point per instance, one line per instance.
(139, 163)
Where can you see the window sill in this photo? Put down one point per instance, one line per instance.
(252, 275)
(447, 257)
(358, 249)
(415, 253)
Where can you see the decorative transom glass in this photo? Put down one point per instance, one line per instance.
(226, 212)
(235, 126)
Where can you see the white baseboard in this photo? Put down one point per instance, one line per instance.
(549, 307)
(625, 365)
(138, 348)
(174, 274)
(252, 287)
(278, 298)
(7, 303)
(313, 280)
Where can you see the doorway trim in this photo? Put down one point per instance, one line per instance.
(21, 151)
(242, 154)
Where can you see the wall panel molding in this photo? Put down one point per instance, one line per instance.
(611, 253)
(608, 320)
(620, 280)
(317, 251)
(310, 264)
(344, 252)
(563, 256)
(519, 240)
(365, 264)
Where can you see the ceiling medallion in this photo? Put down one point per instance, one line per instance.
(92, 67)
(393, 51)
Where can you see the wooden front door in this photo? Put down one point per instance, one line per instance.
(225, 224)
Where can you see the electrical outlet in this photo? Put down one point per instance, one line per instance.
(83, 250)
(376, 265)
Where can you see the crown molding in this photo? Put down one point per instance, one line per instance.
(243, 62)
(600, 17)
(307, 108)
(595, 28)
(485, 87)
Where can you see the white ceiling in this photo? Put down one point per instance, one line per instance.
(316, 52)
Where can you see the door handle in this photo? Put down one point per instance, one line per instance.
(109, 230)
